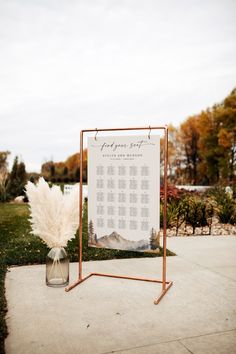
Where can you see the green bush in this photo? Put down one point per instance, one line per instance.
(225, 205)
(210, 211)
(195, 212)
(226, 210)
(191, 209)
(176, 213)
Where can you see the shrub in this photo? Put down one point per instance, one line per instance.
(189, 208)
(210, 211)
(195, 212)
(225, 205)
(176, 210)
(226, 210)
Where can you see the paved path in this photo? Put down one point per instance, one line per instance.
(105, 315)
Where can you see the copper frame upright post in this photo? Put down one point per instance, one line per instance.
(165, 207)
(81, 206)
(165, 284)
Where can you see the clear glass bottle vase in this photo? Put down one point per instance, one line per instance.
(57, 267)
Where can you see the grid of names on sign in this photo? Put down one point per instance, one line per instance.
(122, 197)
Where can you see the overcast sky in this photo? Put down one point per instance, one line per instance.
(67, 65)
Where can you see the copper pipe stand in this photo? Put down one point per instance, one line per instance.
(166, 285)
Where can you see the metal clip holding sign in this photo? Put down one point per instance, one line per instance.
(95, 137)
(165, 284)
(149, 134)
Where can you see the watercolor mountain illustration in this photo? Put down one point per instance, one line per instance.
(116, 241)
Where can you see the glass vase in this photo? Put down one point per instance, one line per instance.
(57, 267)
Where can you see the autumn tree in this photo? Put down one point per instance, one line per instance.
(208, 167)
(52, 170)
(77, 174)
(225, 117)
(73, 162)
(59, 168)
(47, 169)
(173, 146)
(217, 143)
(68, 170)
(65, 171)
(189, 138)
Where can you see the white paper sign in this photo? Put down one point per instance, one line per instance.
(124, 192)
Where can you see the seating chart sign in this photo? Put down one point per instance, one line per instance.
(124, 192)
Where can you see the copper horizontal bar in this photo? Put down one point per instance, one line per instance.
(157, 300)
(121, 129)
(127, 277)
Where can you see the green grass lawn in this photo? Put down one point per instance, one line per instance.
(19, 247)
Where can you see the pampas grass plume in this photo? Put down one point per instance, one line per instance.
(54, 215)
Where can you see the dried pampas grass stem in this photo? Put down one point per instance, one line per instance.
(54, 216)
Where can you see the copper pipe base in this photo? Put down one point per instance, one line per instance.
(72, 286)
(156, 301)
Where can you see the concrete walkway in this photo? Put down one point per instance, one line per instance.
(105, 315)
